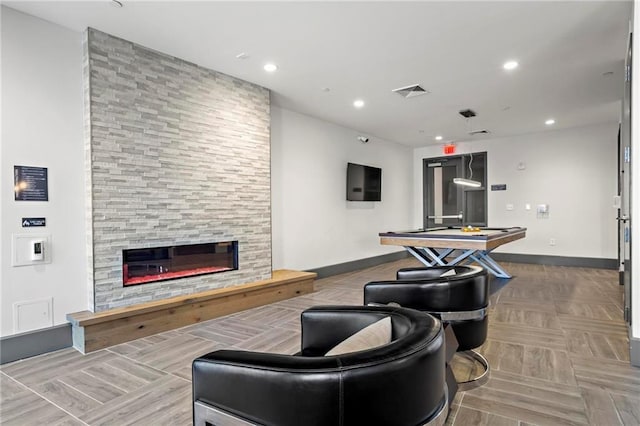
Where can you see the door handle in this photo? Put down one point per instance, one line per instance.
(450, 216)
(623, 218)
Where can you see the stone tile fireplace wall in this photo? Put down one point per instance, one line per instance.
(176, 154)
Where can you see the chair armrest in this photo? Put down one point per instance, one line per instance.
(264, 388)
(421, 273)
(431, 296)
(435, 272)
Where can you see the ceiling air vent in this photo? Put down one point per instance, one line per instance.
(467, 113)
(479, 132)
(410, 91)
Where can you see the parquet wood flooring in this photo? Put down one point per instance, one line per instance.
(557, 346)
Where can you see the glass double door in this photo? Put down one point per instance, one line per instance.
(449, 204)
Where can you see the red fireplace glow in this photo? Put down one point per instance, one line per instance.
(141, 266)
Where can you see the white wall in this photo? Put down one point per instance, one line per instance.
(573, 171)
(313, 224)
(42, 125)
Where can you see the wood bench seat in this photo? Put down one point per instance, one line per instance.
(94, 331)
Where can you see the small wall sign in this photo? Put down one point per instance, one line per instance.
(28, 222)
(30, 183)
(499, 187)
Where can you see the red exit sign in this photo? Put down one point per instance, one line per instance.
(449, 149)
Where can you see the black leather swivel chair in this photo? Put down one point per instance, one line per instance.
(397, 384)
(460, 300)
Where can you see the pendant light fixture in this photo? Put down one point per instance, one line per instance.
(470, 181)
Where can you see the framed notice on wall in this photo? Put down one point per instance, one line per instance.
(30, 183)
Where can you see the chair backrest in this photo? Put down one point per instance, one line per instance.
(466, 291)
(460, 300)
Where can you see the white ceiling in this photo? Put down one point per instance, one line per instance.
(365, 49)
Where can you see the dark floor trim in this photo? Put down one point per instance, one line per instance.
(541, 259)
(634, 351)
(341, 268)
(32, 343)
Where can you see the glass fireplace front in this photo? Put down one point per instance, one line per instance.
(141, 266)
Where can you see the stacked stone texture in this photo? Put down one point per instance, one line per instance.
(179, 154)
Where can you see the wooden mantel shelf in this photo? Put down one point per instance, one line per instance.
(94, 331)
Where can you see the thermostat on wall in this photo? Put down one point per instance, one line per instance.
(37, 250)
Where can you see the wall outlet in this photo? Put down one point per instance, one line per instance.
(552, 241)
(543, 208)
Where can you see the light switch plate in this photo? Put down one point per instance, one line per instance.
(617, 202)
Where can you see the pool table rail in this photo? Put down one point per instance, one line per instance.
(481, 240)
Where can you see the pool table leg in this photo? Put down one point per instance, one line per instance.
(484, 260)
(429, 256)
(420, 255)
(463, 256)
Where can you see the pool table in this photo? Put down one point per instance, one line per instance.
(436, 246)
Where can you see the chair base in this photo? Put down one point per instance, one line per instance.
(479, 380)
(204, 415)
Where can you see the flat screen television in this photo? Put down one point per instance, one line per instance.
(364, 183)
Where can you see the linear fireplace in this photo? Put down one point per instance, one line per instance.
(141, 266)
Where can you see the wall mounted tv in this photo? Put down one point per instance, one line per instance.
(364, 183)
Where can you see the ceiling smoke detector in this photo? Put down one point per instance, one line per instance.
(410, 91)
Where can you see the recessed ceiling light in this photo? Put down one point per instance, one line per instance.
(358, 103)
(438, 138)
(550, 121)
(270, 67)
(510, 65)
(116, 3)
